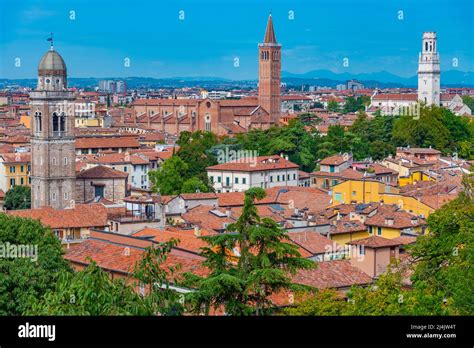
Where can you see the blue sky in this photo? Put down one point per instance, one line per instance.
(213, 33)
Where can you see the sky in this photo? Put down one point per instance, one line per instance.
(98, 36)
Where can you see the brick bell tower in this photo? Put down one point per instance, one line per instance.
(269, 72)
(53, 158)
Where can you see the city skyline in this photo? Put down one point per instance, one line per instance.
(163, 42)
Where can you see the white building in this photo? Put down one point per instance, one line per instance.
(429, 89)
(262, 171)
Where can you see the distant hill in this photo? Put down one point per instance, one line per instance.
(382, 79)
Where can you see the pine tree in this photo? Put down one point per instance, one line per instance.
(247, 264)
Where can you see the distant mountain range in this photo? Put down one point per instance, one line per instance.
(378, 79)
(382, 79)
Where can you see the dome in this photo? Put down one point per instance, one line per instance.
(52, 64)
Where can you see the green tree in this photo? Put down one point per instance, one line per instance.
(333, 106)
(469, 101)
(18, 197)
(157, 275)
(90, 291)
(194, 185)
(445, 256)
(194, 151)
(23, 279)
(169, 178)
(243, 285)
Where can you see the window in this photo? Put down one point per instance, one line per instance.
(211, 178)
(22, 181)
(124, 169)
(361, 250)
(271, 178)
(53, 161)
(12, 182)
(66, 196)
(38, 122)
(208, 123)
(354, 193)
(236, 180)
(370, 230)
(338, 197)
(219, 179)
(98, 191)
(331, 169)
(379, 231)
(65, 161)
(55, 122)
(278, 177)
(22, 168)
(227, 181)
(53, 196)
(288, 177)
(244, 180)
(294, 176)
(12, 169)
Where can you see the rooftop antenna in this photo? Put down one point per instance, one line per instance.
(50, 39)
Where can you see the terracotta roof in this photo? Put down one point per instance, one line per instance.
(204, 217)
(101, 172)
(332, 274)
(19, 157)
(401, 219)
(123, 257)
(83, 215)
(198, 196)
(396, 96)
(187, 239)
(334, 160)
(260, 163)
(420, 150)
(106, 142)
(345, 226)
(311, 241)
(375, 242)
(404, 240)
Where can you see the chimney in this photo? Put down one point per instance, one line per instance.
(228, 212)
(389, 221)
(197, 231)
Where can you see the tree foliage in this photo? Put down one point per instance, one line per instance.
(18, 197)
(243, 285)
(24, 279)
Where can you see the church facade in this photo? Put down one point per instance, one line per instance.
(52, 139)
(223, 117)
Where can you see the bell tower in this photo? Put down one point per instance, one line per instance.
(269, 72)
(53, 158)
(429, 71)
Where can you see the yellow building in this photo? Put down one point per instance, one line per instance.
(25, 120)
(86, 121)
(414, 177)
(14, 170)
(367, 191)
(360, 191)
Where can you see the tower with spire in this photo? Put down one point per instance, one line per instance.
(53, 158)
(429, 71)
(269, 72)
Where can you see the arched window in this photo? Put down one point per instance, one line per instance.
(426, 45)
(55, 122)
(38, 122)
(62, 122)
(65, 161)
(208, 123)
(53, 161)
